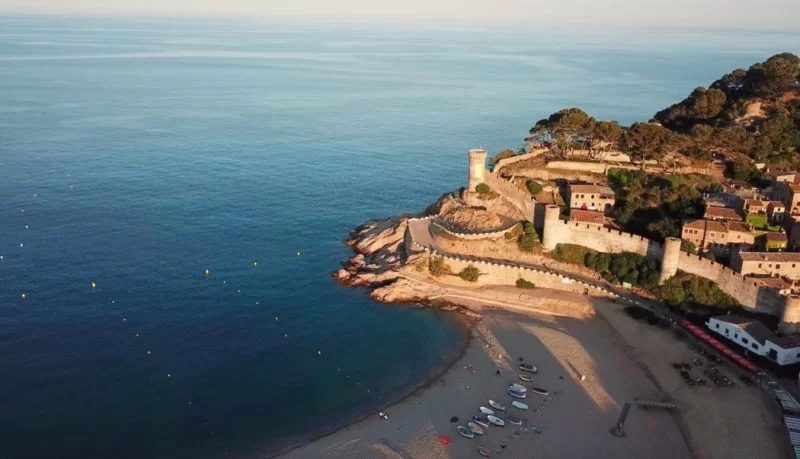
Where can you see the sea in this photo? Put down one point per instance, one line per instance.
(174, 194)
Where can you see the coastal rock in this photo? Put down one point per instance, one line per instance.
(379, 234)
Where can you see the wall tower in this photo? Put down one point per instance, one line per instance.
(552, 226)
(477, 168)
(670, 259)
(790, 319)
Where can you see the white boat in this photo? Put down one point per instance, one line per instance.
(520, 405)
(514, 420)
(540, 391)
(516, 394)
(475, 428)
(465, 432)
(528, 368)
(481, 421)
(497, 405)
(496, 421)
(526, 378)
(485, 410)
(484, 452)
(518, 388)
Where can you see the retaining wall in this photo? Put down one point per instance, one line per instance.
(470, 235)
(604, 239)
(515, 159)
(744, 290)
(503, 274)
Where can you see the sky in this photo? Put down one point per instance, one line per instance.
(746, 14)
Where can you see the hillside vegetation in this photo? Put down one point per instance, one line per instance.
(751, 114)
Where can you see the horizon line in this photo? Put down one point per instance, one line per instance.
(407, 20)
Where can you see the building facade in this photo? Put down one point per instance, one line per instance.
(718, 237)
(783, 264)
(756, 338)
(591, 197)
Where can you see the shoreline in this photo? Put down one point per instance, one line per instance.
(427, 380)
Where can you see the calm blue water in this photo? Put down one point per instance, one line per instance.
(136, 154)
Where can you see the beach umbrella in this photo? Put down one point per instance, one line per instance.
(444, 439)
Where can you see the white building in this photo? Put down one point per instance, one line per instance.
(757, 338)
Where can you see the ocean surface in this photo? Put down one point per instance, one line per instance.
(136, 154)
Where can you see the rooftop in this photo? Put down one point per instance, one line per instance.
(738, 227)
(755, 202)
(776, 205)
(786, 342)
(596, 189)
(753, 327)
(775, 236)
(724, 213)
(587, 216)
(708, 225)
(769, 256)
(774, 282)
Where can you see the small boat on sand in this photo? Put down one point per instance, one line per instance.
(516, 394)
(484, 452)
(519, 405)
(526, 378)
(496, 421)
(475, 428)
(518, 388)
(528, 368)
(481, 421)
(464, 432)
(497, 405)
(540, 391)
(514, 420)
(485, 410)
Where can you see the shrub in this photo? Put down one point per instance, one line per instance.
(438, 267)
(508, 235)
(529, 238)
(503, 154)
(522, 283)
(688, 246)
(533, 187)
(572, 253)
(470, 274)
(483, 188)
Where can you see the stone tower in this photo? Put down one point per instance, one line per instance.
(669, 259)
(552, 226)
(477, 168)
(790, 319)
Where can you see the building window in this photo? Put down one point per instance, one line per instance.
(754, 345)
(717, 325)
(778, 266)
(759, 265)
(736, 335)
(744, 340)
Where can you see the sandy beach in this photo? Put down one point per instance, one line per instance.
(575, 419)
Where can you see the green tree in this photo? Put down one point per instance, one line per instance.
(566, 128)
(650, 141)
(609, 132)
(483, 188)
(522, 283)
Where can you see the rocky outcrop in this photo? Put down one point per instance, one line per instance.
(376, 235)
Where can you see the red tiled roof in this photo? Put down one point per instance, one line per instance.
(769, 256)
(738, 227)
(722, 212)
(776, 204)
(776, 236)
(587, 216)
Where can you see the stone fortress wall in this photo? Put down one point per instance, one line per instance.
(556, 231)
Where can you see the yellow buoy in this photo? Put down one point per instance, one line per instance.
(94, 285)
